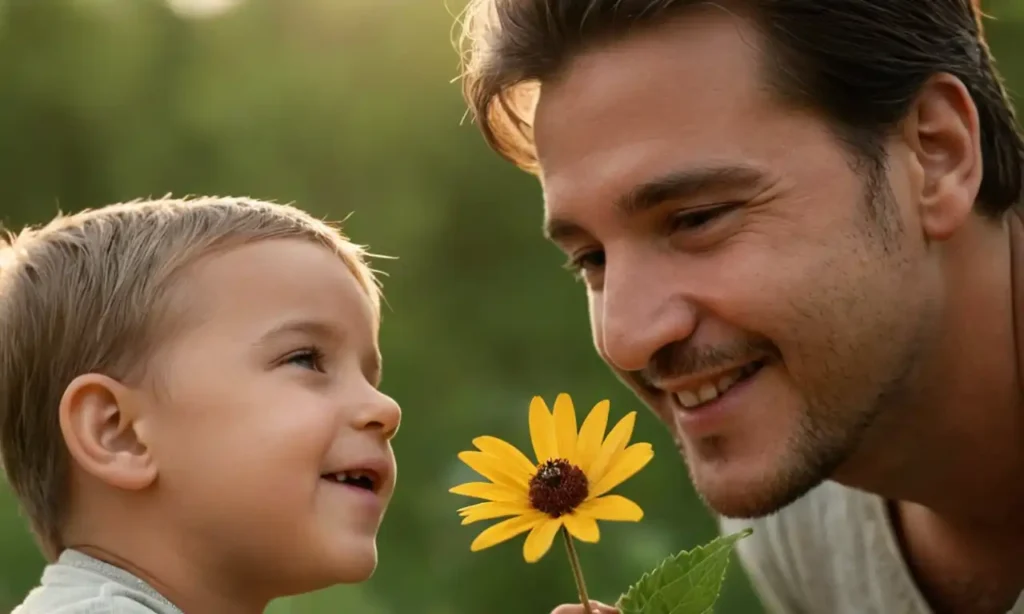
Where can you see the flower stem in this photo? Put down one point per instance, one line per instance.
(577, 571)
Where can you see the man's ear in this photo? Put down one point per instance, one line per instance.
(943, 132)
(101, 430)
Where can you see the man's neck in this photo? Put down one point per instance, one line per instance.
(950, 457)
(958, 569)
(955, 443)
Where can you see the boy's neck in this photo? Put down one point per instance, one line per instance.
(190, 580)
(165, 576)
(87, 560)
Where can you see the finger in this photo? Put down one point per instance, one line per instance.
(575, 608)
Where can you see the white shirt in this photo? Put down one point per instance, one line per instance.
(834, 551)
(80, 584)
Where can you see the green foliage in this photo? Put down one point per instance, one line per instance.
(348, 107)
(1004, 9)
(343, 107)
(687, 583)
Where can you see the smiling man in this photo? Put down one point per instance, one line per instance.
(798, 225)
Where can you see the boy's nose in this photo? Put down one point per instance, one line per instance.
(380, 413)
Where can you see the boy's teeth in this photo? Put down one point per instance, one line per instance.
(344, 476)
(359, 478)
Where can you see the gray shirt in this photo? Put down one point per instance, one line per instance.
(80, 584)
(832, 551)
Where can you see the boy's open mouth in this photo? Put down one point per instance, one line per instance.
(366, 479)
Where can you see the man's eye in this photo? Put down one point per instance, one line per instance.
(307, 358)
(586, 262)
(694, 219)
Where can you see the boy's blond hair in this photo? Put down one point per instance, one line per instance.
(86, 294)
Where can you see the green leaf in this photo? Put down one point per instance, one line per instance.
(687, 583)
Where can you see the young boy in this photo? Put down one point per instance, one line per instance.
(189, 406)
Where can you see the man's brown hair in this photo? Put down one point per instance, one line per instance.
(860, 63)
(88, 293)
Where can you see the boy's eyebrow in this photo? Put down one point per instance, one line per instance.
(312, 328)
(377, 370)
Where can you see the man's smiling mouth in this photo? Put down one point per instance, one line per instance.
(704, 390)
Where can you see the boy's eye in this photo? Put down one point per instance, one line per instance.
(309, 358)
(586, 262)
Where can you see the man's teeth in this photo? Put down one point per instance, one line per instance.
(710, 391)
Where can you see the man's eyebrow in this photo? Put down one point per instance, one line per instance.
(675, 185)
(688, 184)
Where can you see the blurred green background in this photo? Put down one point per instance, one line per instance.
(348, 106)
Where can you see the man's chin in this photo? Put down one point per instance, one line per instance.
(747, 505)
(734, 495)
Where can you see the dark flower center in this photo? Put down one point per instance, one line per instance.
(558, 488)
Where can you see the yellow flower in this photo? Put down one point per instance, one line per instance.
(566, 487)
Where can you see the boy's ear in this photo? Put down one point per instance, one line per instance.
(101, 430)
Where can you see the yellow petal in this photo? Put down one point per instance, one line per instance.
(542, 431)
(623, 467)
(582, 527)
(490, 510)
(493, 469)
(538, 542)
(565, 427)
(591, 435)
(506, 530)
(491, 492)
(612, 507)
(613, 444)
(507, 453)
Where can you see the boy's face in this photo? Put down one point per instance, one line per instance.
(261, 403)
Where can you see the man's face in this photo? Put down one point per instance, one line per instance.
(759, 290)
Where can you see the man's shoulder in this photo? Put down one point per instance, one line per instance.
(832, 550)
(795, 548)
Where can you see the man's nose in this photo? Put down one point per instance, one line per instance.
(639, 313)
(377, 411)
